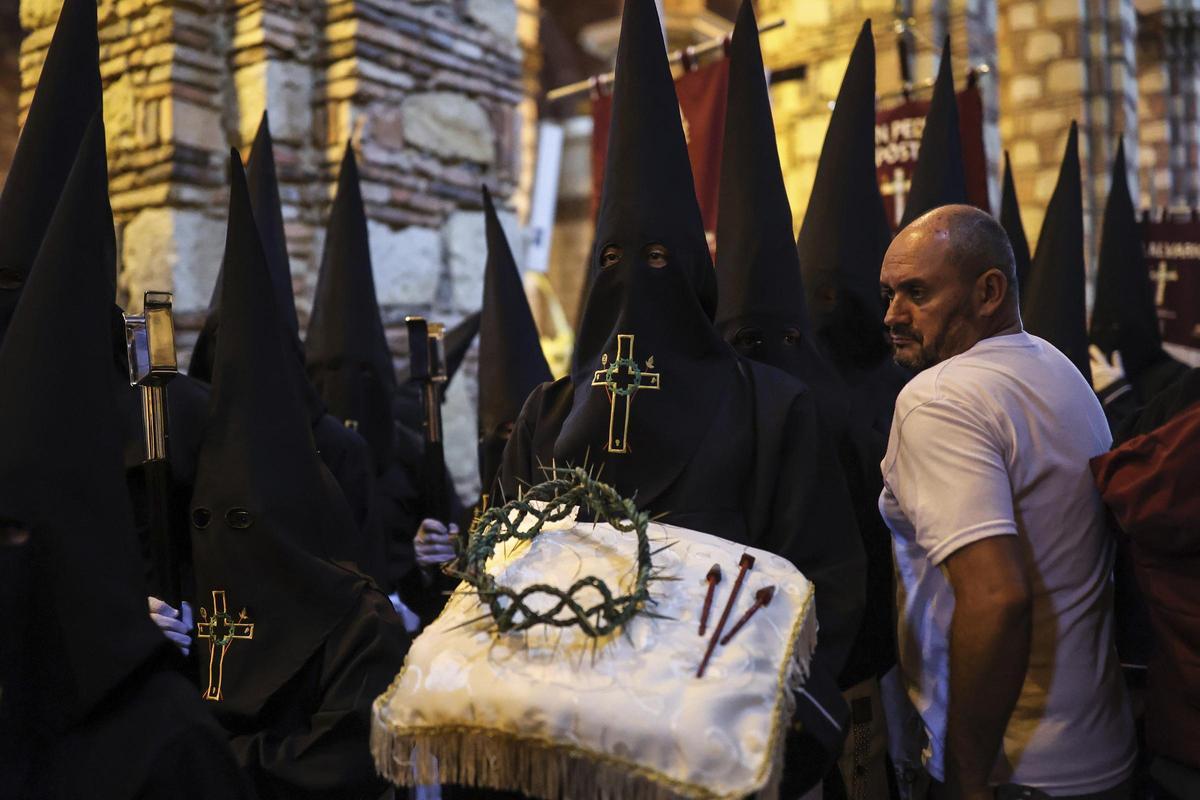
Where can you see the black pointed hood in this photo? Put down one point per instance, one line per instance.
(762, 311)
(939, 178)
(511, 362)
(267, 517)
(1010, 220)
(61, 469)
(67, 95)
(758, 270)
(1053, 306)
(650, 309)
(845, 231)
(1123, 315)
(262, 183)
(263, 189)
(349, 361)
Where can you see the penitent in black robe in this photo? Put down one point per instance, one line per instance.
(763, 474)
(310, 738)
(151, 740)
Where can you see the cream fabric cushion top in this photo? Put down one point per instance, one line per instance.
(554, 713)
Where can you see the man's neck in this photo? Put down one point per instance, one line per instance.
(1003, 325)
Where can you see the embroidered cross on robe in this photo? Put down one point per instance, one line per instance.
(622, 379)
(220, 629)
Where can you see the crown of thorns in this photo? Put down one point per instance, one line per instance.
(552, 501)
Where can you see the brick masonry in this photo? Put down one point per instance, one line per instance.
(428, 90)
(1051, 61)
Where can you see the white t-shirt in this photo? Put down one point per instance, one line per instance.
(996, 442)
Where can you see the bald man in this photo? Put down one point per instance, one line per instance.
(1002, 554)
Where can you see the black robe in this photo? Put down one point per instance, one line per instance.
(760, 476)
(151, 740)
(349, 459)
(311, 737)
(397, 507)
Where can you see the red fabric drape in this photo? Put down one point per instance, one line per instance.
(898, 139)
(1172, 251)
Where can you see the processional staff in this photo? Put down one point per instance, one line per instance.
(150, 339)
(428, 367)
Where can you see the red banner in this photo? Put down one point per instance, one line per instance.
(898, 139)
(702, 94)
(1173, 258)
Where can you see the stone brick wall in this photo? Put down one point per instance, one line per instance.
(10, 81)
(1168, 40)
(427, 89)
(1063, 60)
(1051, 61)
(820, 36)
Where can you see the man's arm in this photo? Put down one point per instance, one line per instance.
(989, 655)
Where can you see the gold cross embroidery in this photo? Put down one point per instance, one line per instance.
(622, 379)
(220, 630)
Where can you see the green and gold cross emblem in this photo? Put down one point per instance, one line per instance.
(622, 379)
(220, 629)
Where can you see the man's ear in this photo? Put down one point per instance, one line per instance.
(991, 290)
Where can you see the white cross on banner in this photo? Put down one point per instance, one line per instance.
(1172, 257)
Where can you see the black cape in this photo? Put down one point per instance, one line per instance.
(295, 643)
(92, 704)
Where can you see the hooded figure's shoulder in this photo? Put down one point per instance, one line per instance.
(168, 745)
(772, 387)
(548, 403)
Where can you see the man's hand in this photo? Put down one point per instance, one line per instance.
(989, 656)
(1105, 372)
(175, 626)
(434, 544)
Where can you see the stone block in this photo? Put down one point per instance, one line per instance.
(449, 125)
(1061, 10)
(466, 254)
(1046, 121)
(1022, 16)
(1023, 88)
(283, 89)
(1065, 77)
(1152, 79)
(119, 112)
(406, 263)
(36, 14)
(1043, 46)
(172, 249)
(1043, 185)
(1025, 153)
(250, 88)
(193, 125)
(289, 87)
(1153, 130)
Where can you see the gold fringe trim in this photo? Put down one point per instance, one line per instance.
(488, 758)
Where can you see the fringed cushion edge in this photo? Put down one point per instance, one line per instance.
(487, 758)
